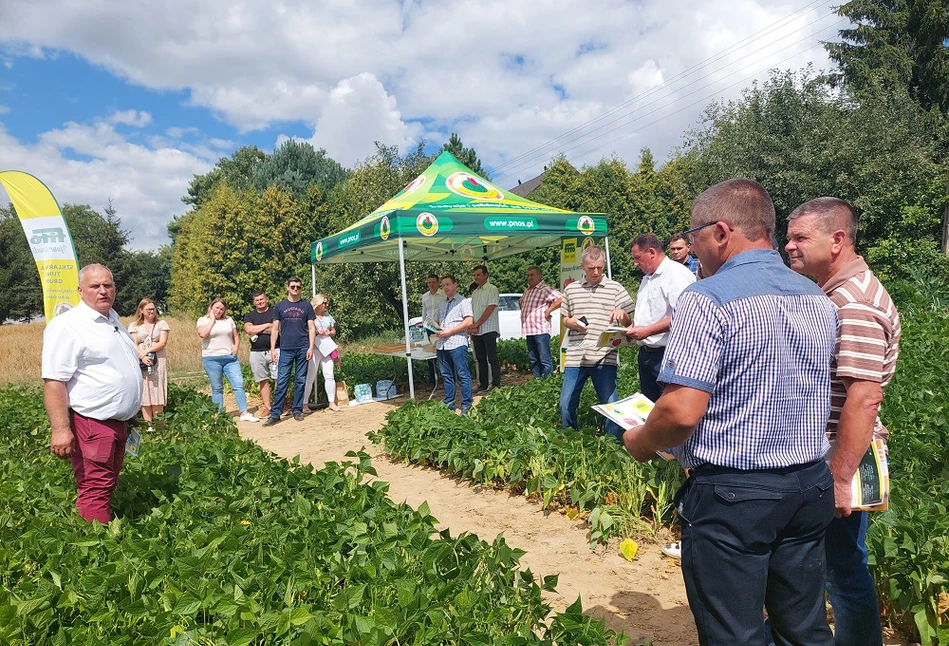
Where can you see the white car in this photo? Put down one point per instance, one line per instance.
(509, 317)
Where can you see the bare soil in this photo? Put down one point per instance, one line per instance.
(644, 598)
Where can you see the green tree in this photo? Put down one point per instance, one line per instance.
(896, 42)
(801, 139)
(466, 156)
(237, 170)
(294, 165)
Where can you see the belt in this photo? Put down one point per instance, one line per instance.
(646, 348)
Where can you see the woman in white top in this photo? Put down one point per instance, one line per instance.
(323, 347)
(219, 344)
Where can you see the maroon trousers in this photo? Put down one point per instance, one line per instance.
(98, 451)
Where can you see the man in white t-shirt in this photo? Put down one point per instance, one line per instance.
(92, 387)
(658, 294)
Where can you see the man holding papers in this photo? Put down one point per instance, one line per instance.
(658, 294)
(745, 407)
(821, 236)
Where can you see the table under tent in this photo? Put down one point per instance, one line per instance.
(450, 214)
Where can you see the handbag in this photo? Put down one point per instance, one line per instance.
(141, 364)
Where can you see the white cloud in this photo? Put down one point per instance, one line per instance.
(4, 109)
(358, 113)
(507, 76)
(90, 164)
(134, 118)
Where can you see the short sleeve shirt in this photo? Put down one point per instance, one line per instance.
(451, 313)
(596, 303)
(260, 318)
(481, 299)
(293, 317)
(534, 302)
(220, 341)
(657, 297)
(759, 339)
(869, 340)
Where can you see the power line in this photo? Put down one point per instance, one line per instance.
(532, 153)
(584, 138)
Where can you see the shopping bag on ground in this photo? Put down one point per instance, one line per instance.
(342, 393)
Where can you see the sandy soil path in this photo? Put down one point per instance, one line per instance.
(644, 598)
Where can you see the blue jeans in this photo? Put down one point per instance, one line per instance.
(752, 539)
(604, 382)
(450, 362)
(297, 358)
(225, 365)
(849, 584)
(538, 351)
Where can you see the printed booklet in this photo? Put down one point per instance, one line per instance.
(615, 336)
(133, 443)
(870, 490)
(430, 325)
(630, 413)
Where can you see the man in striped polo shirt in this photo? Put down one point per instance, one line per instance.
(589, 307)
(537, 304)
(746, 402)
(821, 238)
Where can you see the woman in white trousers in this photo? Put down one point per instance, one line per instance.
(323, 347)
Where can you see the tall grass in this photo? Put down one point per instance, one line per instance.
(21, 348)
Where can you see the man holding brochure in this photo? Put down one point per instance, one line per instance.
(821, 237)
(658, 294)
(589, 307)
(745, 407)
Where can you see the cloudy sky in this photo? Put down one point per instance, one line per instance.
(126, 101)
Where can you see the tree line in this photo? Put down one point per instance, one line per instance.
(874, 131)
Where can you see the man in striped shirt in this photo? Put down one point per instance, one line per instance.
(821, 238)
(537, 304)
(589, 307)
(746, 402)
(451, 343)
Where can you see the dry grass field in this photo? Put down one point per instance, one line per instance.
(22, 347)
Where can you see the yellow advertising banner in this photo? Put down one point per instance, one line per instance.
(49, 240)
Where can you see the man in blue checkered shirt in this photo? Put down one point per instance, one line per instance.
(746, 403)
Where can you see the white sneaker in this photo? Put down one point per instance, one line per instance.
(673, 550)
(248, 417)
(149, 430)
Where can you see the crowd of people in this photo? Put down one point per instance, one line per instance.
(767, 381)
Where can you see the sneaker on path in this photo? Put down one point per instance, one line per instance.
(298, 417)
(673, 550)
(247, 416)
(271, 421)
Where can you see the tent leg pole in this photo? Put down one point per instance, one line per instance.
(313, 278)
(405, 319)
(609, 269)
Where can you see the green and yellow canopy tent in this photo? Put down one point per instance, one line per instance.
(449, 213)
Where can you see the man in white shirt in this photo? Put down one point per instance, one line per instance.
(486, 329)
(431, 301)
(92, 387)
(658, 294)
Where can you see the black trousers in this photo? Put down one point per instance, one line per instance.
(650, 363)
(486, 352)
(753, 540)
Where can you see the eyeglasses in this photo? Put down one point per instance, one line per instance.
(690, 234)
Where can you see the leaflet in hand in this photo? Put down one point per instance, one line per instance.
(630, 413)
(615, 336)
(431, 325)
(133, 443)
(870, 489)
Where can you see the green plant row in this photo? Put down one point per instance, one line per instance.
(513, 439)
(218, 542)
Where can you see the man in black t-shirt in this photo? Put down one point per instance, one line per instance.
(257, 325)
(293, 327)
